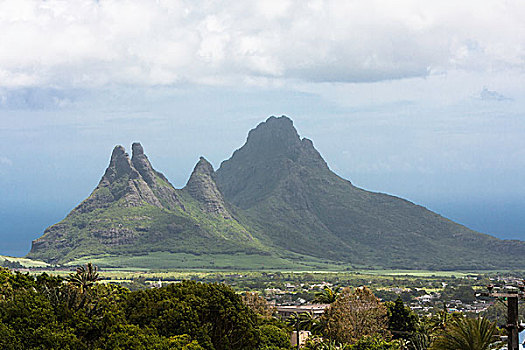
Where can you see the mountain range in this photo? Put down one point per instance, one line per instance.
(274, 204)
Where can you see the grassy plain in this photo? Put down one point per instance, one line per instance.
(252, 271)
(24, 261)
(239, 261)
(165, 265)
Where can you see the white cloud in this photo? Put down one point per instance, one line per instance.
(133, 42)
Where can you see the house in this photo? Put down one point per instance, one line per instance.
(316, 310)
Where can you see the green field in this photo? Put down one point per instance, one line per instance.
(240, 261)
(182, 264)
(419, 273)
(24, 261)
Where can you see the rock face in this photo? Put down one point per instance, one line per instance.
(203, 188)
(142, 165)
(121, 182)
(272, 149)
(159, 184)
(275, 196)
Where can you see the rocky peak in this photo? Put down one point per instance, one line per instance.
(141, 162)
(203, 167)
(164, 192)
(119, 166)
(203, 188)
(275, 135)
(274, 142)
(273, 152)
(137, 149)
(121, 184)
(309, 156)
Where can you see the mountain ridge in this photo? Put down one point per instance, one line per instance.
(275, 196)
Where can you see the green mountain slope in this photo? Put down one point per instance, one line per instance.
(135, 210)
(282, 183)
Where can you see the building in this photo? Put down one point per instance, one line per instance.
(316, 310)
(303, 336)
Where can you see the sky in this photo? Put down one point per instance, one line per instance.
(424, 100)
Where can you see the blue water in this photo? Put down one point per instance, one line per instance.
(20, 224)
(499, 217)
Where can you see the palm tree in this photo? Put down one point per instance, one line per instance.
(467, 334)
(327, 295)
(303, 321)
(419, 341)
(84, 278)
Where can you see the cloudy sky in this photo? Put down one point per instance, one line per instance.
(421, 99)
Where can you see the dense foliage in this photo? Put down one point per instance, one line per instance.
(467, 334)
(355, 314)
(80, 312)
(49, 312)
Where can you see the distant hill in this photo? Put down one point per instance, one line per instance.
(274, 203)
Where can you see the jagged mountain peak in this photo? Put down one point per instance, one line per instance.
(119, 166)
(162, 189)
(273, 152)
(275, 123)
(142, 164)
(276, 139)
(203, 188)
(203, 170)
(118, 150)
(204, 167)
(273, 135)
(137, 149)
(121, 184)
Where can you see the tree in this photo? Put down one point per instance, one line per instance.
(213, 314)
(304, 321)
(364, 343)
(419, 341)
(327, 295)
(84, 278)
(402, 321)
(131, 337)
(299, 322)
(464, 333)
(355, 314)
(273, 338)
(319, 344)
(258, 304)
(498, 311)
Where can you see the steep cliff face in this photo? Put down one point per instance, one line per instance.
(157, 182)
(203, 188)
(271, 151)
(121, 183)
